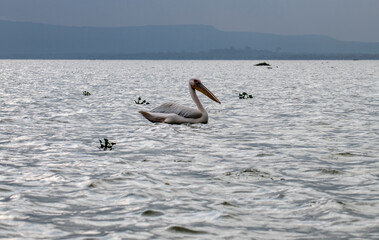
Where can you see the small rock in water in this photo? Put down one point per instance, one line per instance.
(244, 95)
(140, 101)
(86, 93)
(262, 64)
(106, 145)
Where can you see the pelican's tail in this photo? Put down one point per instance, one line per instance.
(152, 117)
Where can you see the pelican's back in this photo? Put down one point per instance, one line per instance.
(178, 109)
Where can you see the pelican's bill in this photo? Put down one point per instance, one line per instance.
(201, 88)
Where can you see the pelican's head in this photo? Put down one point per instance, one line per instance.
(196, 84)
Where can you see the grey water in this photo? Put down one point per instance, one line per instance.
(299, 160)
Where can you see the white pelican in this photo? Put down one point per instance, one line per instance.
(174, 113)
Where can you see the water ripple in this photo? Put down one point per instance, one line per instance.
(296, 161)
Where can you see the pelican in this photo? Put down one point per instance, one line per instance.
(174, 113)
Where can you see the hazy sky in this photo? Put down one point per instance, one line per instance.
(356, 20)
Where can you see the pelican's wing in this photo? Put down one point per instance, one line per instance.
(153, 117)
(181, 110)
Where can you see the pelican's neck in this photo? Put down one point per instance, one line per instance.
(195, 98)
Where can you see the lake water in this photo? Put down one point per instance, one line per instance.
(299, 160)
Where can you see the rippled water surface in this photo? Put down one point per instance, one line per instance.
(298, 161)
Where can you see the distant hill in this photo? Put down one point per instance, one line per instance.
(32, 40)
